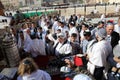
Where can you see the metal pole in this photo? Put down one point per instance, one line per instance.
(95, 6)
(116, 4)
(84, 10)
(36, 12)
(74, 9)
(105, 9)
(59, 11)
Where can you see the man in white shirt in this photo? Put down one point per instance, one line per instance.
(62, 27)
(112, 36)
(97, 62)
(73, 30)
(62, 47)
(55, 26)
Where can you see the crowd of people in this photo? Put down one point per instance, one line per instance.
(61, 38)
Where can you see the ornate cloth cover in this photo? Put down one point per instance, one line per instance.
(9, 72)
(2, 77)
(82, 77)
(116, 50)
(10, 49)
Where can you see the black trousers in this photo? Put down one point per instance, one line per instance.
(98, 73)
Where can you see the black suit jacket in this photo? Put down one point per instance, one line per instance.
(114, 42)
(114, 39)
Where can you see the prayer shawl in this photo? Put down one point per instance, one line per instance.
(63, 48)
(26, 41)
(63, 29)
(99, 54)
(36, 47)
(41, 36)
(55, 27)
(74, 30)
(38, 75)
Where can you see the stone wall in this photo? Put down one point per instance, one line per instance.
(81, 10)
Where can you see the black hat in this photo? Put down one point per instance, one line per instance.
(61, 21)
(72, 23)
(100, 22)
(87, 33)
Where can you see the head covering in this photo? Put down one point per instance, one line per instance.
(82, 77)
(87, 33)
(110, 21)
(101, 33)
(72, 23)
(100, 22)
(61, 21)
(61, 35)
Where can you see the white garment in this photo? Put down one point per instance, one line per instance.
(50, 37)
(42, 23)
(26, 35)
(38, 75)
(84, 45)
(81, 34)
(117, 28)
(43, 36)
(63, 48)
(99, 54)
(55, 27)
(82, 77)
(90, 45)
(116, 50)
(91, 67)
(39, 22)
(93, 32)
(74, 30)
(36, 47)
(24, 43)
(45, 28)
(63, 29)
(102, 17)
(57, 48)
